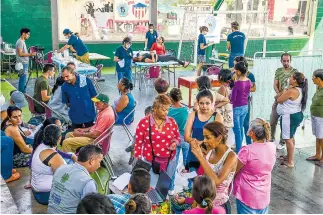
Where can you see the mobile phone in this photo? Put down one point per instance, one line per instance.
(203, 146)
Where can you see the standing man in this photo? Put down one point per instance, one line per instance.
(75, 44)
(235, 43)
(281, 83)
(151, 37)
(22, 56)
(71, 183)
(77, 92)
(41, 90)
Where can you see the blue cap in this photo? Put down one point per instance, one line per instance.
(67, 31)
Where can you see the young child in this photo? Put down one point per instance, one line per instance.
(203, 193)
(130, 148)
(138, 204)
(201, 48)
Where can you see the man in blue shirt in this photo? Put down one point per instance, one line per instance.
(123, 58)
(139, 183)
(77, 92)
(75, 44)
(151, 37)
(235, 43)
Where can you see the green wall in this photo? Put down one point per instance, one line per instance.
(32, 14)
(318, 44)
(36, 15)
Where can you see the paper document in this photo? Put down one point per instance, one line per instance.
(121, 63)
(122, 181)
(33, 131)
(189, 175)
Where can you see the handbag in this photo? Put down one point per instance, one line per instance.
(227, 113)
(158, 164)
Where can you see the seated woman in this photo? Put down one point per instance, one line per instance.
(39, 137)
(12, 128)
(159, 46)
(44, 164)
(153, 58)
(125, 103)
(56, 101)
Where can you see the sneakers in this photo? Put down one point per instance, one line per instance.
(171, 192)
(280, 145)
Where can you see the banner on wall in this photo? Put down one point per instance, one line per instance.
(214, 25)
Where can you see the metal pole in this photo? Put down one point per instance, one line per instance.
(265, 34)
(182, 35)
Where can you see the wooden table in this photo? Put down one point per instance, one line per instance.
(190, 83)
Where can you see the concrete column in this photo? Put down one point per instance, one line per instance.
(153, 12)
(54, 11)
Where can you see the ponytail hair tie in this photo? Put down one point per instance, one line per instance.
(204, 203)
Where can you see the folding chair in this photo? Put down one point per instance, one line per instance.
(49, 113)
(31, 105)
(125, 126)
(96, 77)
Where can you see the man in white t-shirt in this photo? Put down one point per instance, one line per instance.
(22, 56)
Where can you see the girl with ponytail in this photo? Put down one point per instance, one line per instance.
(252, 182)
(126, 102)
(292, 103)
(138, 204)
(203, 194)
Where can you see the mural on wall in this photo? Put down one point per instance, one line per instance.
(132, 16)
(97, 20)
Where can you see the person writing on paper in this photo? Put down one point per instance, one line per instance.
(12, 128)
(153, 58)
(123, 58)
(201, 48)
(159, 46)
(151, 37)
(235, 43)
(75, 44)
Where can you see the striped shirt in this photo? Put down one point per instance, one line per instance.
(283, 76)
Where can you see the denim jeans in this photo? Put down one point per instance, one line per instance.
(244, 209)
(185, 147)
(6, 148)
(41, 197)
(231, 58)
(23, 79)
(239, 114)
(126, 74)
(246, 125)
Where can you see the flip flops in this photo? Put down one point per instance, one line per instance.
(15, 176)
(312, 158)
(187, 64)
(319, 163)
(283, 157)
(285, 164)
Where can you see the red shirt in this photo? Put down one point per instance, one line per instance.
(161, 141)
(160, 50)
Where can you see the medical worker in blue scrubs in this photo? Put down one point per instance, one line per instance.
(123, 58)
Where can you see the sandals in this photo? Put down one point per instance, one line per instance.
(312, 158)
(285, 164)
(319, 163)
(15, 176)
(283, 157)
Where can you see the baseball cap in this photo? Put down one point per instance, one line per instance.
(19, 99)
(101, 98)
(67, 31)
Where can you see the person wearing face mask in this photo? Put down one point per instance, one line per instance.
(42, 91)
(123, 58)
(22, 57)
(235, 43)
(151, 37)
(75, 44)
(201, 48)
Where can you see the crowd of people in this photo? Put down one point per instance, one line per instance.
(61, 163)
